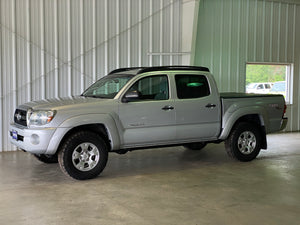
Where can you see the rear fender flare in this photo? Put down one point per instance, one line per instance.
(230, 118)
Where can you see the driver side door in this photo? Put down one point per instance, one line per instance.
(150, 119)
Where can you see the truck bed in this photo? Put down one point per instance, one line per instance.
(244, 95)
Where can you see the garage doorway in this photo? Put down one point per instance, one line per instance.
(269, 78)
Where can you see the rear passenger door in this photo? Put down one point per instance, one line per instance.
(197, 108)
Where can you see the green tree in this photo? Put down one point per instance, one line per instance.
(257, 73)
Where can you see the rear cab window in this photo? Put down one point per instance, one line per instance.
(190, 86)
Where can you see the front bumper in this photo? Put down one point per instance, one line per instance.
(34, 140)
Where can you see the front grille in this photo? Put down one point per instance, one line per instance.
(20, 117)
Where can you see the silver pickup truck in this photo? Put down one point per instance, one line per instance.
(134, 108)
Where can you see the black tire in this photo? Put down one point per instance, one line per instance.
(195, 146)
(46, 158)
(83, 155)
(244, 142)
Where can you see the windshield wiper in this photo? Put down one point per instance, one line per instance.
(95, 96)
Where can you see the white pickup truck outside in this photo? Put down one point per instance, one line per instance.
(133, 108)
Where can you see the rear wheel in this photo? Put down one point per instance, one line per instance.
(46, 158)
(244, 142)
(83, 155)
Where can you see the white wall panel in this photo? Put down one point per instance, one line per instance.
(234, 32)
(56, 48)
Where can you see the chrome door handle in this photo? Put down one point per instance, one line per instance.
(168, 107)
(210, 105)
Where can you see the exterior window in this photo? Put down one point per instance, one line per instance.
(191, 86)
(269, 78)
(152, 88)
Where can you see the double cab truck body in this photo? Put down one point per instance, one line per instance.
(134, 108)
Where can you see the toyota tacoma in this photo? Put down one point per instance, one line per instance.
(145, 107)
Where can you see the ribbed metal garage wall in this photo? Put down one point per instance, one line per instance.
(233, 32)
(56, 48)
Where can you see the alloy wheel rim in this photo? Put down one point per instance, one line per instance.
(246, 142)
(85, 156)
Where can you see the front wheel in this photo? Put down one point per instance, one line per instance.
(244, 142)
(83, 155)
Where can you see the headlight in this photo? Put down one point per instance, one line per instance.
(39, 118)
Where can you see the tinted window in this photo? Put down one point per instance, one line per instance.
(152, 88)
(267, 86)
(260, 86)
(191, 86)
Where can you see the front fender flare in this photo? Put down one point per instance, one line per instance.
(88, 119)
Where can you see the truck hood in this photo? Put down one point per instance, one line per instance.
(58, 103)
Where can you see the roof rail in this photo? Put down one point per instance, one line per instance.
(160, 68)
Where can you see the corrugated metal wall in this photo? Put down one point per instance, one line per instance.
(56, 48)
(233, 32)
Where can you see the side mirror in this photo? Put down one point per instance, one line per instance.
(131, 96)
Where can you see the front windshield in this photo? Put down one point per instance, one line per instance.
(107, 87)
(251, 86)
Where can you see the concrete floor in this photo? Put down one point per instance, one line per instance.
(160, 186)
